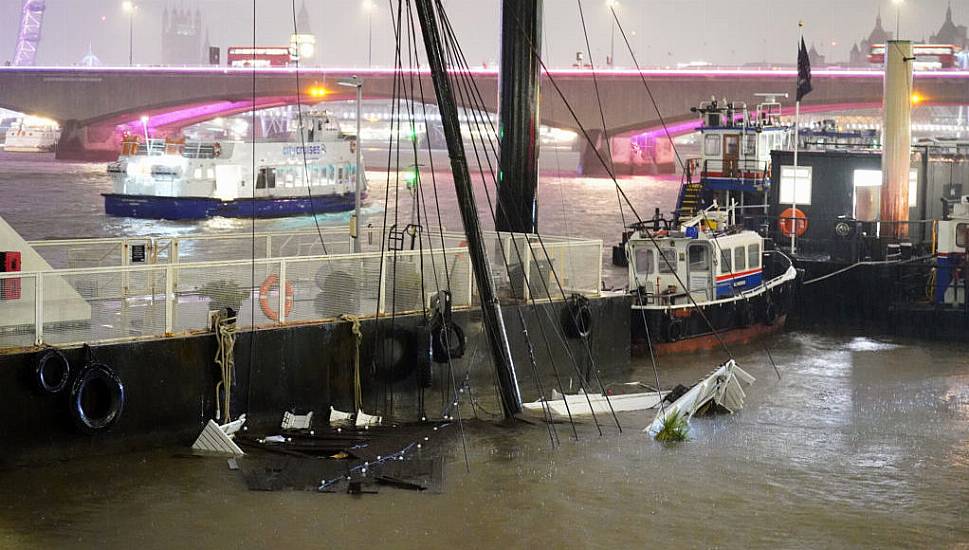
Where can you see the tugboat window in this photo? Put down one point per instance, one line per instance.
(669, 264)
(725, 263)
(962, 235)
(740, 258)
(750, 145)
(699, 259)
(753, 256)
(644, 261)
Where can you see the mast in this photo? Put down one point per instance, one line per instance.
(511, 400)
(521, 35)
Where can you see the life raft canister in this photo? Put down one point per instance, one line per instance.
(264, 289)
(792, 222)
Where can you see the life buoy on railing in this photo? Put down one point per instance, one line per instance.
(792, 222)
(97, 398)
(53, 371)
(264, 289)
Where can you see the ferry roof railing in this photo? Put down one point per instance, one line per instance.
(121, 302)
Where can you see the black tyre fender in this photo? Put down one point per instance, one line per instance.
(52, 372)
(577, 317)
(744, 316)
(97, 398)
(673, 330)
(770, 313)
(447, 341)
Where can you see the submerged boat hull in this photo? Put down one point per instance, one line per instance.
(737, 321)
(194, 208)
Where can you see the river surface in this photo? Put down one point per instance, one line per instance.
(863, 441)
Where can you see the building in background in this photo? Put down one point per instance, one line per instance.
(859, 52)
(182, 37)
(302, 43)
(950, 33)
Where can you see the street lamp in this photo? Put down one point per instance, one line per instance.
(129, 7)
(356, 82)
(613, 5)
(898, 17)
(369, 7)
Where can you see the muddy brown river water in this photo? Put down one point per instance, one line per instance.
(862, 442)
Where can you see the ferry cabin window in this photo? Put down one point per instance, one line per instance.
(711, 145)
(753, 256)
(644, 261)
(798, 191)
(962, 235)
(261, 179)
(725, 263)
(740, 259)
(266, 178)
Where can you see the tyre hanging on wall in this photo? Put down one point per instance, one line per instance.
(673, 330)
(97, 398)
(577, 317)
(52, 372)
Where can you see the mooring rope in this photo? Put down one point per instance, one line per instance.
(358, 339)
(225, 358)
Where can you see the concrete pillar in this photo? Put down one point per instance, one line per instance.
(896, 138)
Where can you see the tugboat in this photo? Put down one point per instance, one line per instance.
(706, 282)
(708, 274)
(32, 135)
(166, 179)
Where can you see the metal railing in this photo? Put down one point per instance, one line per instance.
(170, 294)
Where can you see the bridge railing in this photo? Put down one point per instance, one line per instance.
(114, 303)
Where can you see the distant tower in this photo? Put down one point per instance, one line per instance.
(181, 36)
(302, 43)
(89, 59)
(950, 33)
(878, 35)
(31, 19)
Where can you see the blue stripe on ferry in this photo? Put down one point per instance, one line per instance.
(194, 208)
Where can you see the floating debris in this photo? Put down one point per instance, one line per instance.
(721, 390)
(218, 440)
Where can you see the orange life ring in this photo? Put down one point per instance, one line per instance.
(267, 285)
(792, 221)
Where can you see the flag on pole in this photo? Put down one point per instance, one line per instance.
(803, 72)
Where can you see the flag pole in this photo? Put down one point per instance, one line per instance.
(797, 140)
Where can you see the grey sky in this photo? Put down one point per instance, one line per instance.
(667, 31)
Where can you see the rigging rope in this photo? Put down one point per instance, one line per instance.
(225, 330)
(358, 340)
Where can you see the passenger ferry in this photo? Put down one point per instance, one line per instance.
(32, 135)
(166, 179)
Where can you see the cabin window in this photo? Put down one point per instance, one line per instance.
(725, 263)
(197, 174)
(667, 265)
(261, 179)
(339, 175)
(644, 261)
(753, 256)
(795, 192)
(750, 145)
(699, 259)
(962, 235)
(740, 258)
(711, 145)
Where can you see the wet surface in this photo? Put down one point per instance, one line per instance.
(863, 442)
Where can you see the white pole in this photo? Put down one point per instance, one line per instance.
(797, 132)
(359, 190)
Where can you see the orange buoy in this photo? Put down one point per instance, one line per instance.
(792, 222)
(267, 285)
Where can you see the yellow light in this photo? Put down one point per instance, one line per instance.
(318, 91)
(128, 6)
(916, 98)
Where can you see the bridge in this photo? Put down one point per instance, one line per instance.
(91, 103)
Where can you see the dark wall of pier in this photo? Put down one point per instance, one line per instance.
(170, 382)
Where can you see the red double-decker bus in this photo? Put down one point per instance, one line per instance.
(259, 56)
(927, 56)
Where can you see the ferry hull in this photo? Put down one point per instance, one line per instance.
(194, 208)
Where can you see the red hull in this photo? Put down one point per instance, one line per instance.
(709, 341)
